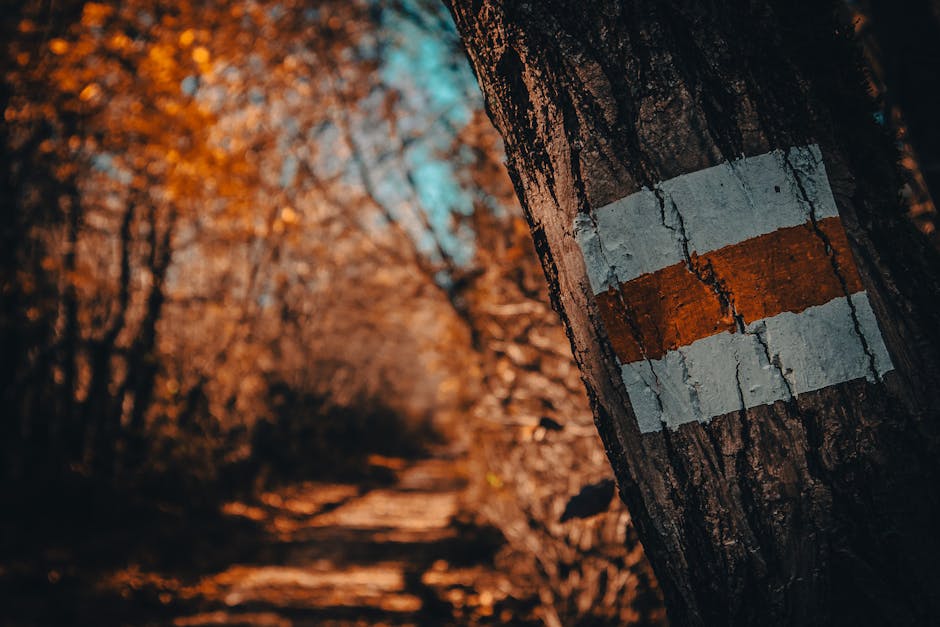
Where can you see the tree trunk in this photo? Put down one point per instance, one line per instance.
(908, 32)
(785, 475)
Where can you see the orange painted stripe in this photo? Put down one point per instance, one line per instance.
(785, 270)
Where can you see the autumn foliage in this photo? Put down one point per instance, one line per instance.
(251, 243)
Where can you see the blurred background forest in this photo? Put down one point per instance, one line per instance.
(276, 348)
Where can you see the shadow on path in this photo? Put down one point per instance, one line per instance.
(310, 553)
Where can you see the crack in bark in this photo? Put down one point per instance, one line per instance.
(762, 550)
(830, 251)
(725, 296)
(774, 360)
(657, 394)
(737, 381)
(694, 399)
(758, 332)
(750, 504)
(629, 318)
(705, 274)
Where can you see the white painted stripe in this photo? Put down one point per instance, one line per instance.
(712, 208)
(790, 353)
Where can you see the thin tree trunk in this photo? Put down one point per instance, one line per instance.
(820, 507)
(908, 32)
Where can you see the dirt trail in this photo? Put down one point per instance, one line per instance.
(322, 554)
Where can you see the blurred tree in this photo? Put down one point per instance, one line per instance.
(908, 34)
(901, 50)
(255, 239)
(819, 509)
(97, 104)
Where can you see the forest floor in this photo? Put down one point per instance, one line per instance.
(396, 550)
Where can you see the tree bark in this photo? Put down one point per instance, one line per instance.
(819, 509)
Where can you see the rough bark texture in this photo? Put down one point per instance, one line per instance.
(819, 510)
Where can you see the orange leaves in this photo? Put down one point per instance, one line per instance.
(59, 46)
(95, 14)
(289, 216)
(187, 37)
(162, 68)
(120, 42)
(201, 56)
(91, 93)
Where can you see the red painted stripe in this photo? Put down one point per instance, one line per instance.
(786, 270)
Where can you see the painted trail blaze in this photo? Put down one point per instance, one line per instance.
(729, 288)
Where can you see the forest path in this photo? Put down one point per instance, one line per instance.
(339, 554)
